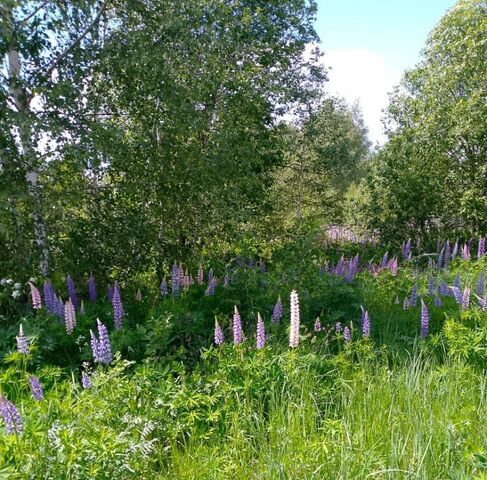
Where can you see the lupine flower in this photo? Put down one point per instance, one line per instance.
(483, 303)
(425, 319)
(393, 266)
(455, 251)
(317, 325)
(385, 259)
(117, 306)
(36, 297)
(138, 295)
(101, 347)
(11, 416)
(22, 346)
(36, 388)
(218, 333)
(82, 308)
(365, 322)
(277, 313)
(211, 287)
(414, 295)
(49, 296)
(406, 303)
(92, 289)
(110, 293)
(175, 279)
(457, 294)
(481, 284)
(85, 380)
(163, 288)
(447, 255)
(442, 288)
(237, 327)
(457, 283)
(437, 301)
(465, 252)
(431, 285)
(481, 248)
(406, 250)
(210, 275)
(347, 336)
(295, 320)
(260, 332)
(338, 327)
(339, 266)
(440, 259)
(200, 276)
(69, 316)
(72, 291)
(465, 299)
(60, 308)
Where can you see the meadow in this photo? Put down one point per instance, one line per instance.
(336, 361)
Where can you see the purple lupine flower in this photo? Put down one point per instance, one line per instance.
(101, 347)
(200, 276)
(425, 319)
(36, 297)
(457, 282)
(454, 253)
(414, 295)
(447, 254)
(260, 333)
(481, 248)
(138, 295)
(175, 279)
(431, 285)
(483, 303)
(72, 291)
(36, 388)
(481, 284)
(384, 260)
(442, 288)
(60, 308)
(347, 336)
(457, 294)
(92, 289)
(339, 267)
(11, 416)
(277, 312)
(163, 288)
(406, 303)
(211, 287)
(69, 316)
(210, 275)
(317, 325)
(49, 296)
(295, 320)
(85, 380)
(406, 250)
(365, 322)
(338, 327)
(117, 306)
(437, 301)
(392, 265)
(218, 337)
(465, 252)
(465, 299)
(237, 327)
(440, 259)
(22, 346)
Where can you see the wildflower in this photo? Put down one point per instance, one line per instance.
(440, 259)
(85, 380)
(163, 288)
(481, 248)
(483, 303)
(138, 295)
(16, 294)
(392, 265)
(295, 320)
(437, 301)
(385, 259)
(317, 325)
(347, 336)
(447, 254)
(338, 327)
(200, 276)
(465, 299)
(117, 306)
(22, 346)
(277, 313)
(59, 308)
(237, 327)
(69, 316)
(110, 293)
(36, 297)
(406, 250)
(414, 296)
(481, 284)
(11, 416)
(431, 285)
(175, 279)
(457, 295)
(101, 347)
(36, 388)
(455, 250)
(92, 289)
(465, 252)
(260, 332)
(425, 319)
(365, 322)
(72, 291)
(406, 303)
(211, 287)
(49, 296)
(218, 333)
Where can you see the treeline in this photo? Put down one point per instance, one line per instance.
(134, 133)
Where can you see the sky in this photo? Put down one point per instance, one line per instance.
(369, 43)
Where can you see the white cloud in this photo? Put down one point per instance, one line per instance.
(360, 74)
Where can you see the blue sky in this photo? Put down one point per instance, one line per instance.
(369, 43)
